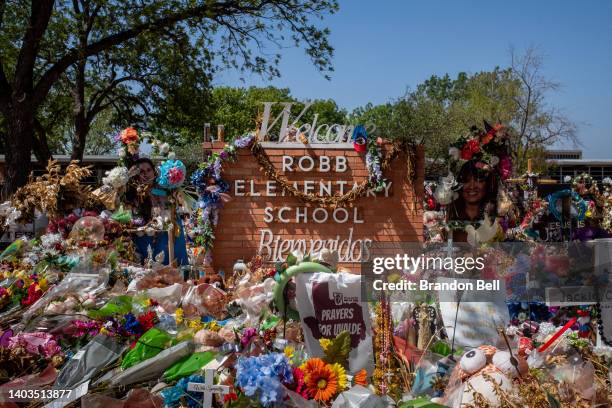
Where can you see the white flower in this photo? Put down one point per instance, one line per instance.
(494, 160)
(49, 240)
(512, 330)
(607, 181)
(10, 213)
(567, 179)
(454, 153)
(121, 153)
(116, 177)
(171, 156)
(164, 148)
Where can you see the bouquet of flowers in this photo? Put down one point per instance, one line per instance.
(488, 148)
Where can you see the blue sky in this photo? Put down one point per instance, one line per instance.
(384, 47)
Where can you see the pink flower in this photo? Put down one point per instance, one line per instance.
(176, 175)
(505, 167)
(247, 335)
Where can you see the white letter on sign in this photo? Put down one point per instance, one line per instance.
(268, 216)
(239, 184)
(301, 163)
(280, 215)
(340, 164)
(324, 166)
(287, 163)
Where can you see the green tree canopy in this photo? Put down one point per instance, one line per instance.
(149, 62)
(442, 108)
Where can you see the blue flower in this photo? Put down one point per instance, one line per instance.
(263, 376)
(172, 396)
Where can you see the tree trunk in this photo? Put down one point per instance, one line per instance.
(81, 129)
(40, 145)
(81, 122)
(19, 136)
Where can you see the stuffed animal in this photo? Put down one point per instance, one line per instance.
(479, 373)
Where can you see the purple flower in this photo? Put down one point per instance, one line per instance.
(244, 141)
(223, 155)
(247, 335)
(217, 168)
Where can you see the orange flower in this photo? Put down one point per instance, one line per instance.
(311, 365)
(129, 135)
(322, 383)
(361, 378)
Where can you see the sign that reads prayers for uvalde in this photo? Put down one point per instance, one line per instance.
(330, 304)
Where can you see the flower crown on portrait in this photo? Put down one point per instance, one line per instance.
(486, 148)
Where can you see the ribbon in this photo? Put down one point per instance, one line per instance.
(546, 345)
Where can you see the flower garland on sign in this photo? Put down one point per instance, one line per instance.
(375, 182)
(212, 191)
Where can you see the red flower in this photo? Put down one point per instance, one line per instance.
(467, 151)
(232, 396)
(147, 320)
(34, 293)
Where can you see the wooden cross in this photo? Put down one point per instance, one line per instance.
(208, 388)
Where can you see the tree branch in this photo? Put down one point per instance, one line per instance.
(48, 78)
(39, 19)
(96, 105)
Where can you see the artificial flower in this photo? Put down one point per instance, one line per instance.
(322, 383)
(263, 376)
(247, 335)
(171, 174)
(229, 397)
(178, 315)
(82, 328)
(129, 135)
(469, 149)
(340, 373)
(117, 177)
(289, 352)
(361, 378)
(147, 320)
(505, 167)
(310, 365)
(298, 385)
(325, 343)
(487, 137)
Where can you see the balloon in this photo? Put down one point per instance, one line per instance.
(214, 300)
(88, 229)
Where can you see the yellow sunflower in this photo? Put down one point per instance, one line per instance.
(340, 373)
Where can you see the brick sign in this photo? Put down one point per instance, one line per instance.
(261, 219)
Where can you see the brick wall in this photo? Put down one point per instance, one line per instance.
(386, 219)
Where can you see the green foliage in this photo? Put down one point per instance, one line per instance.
(338, 349)
(146, 64)
(238, 108)
(441, 109)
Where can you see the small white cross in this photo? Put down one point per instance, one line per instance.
(208, 387)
